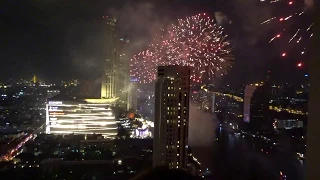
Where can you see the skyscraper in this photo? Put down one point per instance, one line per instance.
(171, 117)
(133, 95)
(108, 84)
(122, 76)
(115, 78)
(256, 106)
(248, 92)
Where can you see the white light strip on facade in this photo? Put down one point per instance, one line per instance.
(70, 132)
(79, 115)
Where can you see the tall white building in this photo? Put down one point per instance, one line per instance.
(248, 92)
(171, 117)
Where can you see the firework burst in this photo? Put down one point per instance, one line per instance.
(293, 24)
(195, 41)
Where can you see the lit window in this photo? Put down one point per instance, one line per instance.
(185, 94)
(179, 104)
(177, 155)
(179, 117)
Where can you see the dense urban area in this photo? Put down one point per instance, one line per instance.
(139, 91)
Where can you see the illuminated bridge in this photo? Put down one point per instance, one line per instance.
(274, 108)
(87, 117)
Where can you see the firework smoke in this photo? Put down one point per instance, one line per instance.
(202, 128)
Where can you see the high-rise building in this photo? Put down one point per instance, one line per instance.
(133, 95)
(122, 76)
(108, 84)
(171, 117)
(248, 92)
(256, 106)
(116, 78)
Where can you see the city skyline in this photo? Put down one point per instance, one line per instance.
(78, 47)
(212, 89)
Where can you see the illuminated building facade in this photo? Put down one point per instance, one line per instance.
(171, 117)
(287, 124)
(108, 86)
(66, 117)
(248, 92)
(115, 78)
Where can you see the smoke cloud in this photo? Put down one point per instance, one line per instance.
(139, 22)
(250, 14)
(221, 18)
(85, 40)
(309, 3)
(85, 47)
(202, 128)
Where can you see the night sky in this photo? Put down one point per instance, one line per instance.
(64, 39)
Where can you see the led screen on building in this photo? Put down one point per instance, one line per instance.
(86, 118)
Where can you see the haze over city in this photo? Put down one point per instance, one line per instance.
(207, 89)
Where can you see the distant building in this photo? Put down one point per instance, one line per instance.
(287, 124)
(133, 95)
(52, 93)
(146, 101)
(115, 79)
(108, 84)
(122, 79)
(256, 106)
(248, 92)
(81, 117)
(171, 117)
